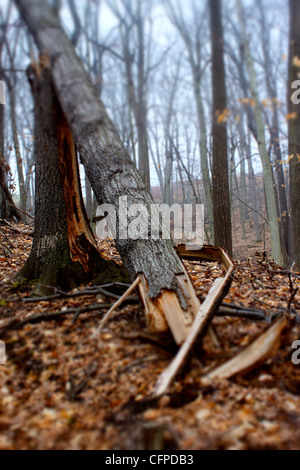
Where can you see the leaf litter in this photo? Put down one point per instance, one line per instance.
(63, 387)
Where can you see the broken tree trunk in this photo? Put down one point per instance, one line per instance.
(107, 163)
(205, 314)
(64, 251)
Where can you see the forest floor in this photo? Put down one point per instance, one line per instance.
(64, 388)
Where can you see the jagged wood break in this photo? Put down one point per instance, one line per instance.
(64, 252)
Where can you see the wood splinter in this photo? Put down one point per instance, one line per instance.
(252, 356)
(204, 313)
(117, 304)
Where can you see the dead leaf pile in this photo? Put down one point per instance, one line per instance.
(63, 387)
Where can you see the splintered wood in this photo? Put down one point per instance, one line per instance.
(258, 352)
(204, 314)
(165, 312)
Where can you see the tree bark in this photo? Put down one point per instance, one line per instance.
(64, 252)
(294, 130)
(137, 98)
(277, 242)
(108, 165)
(270, 77)
(195, 58)
(12, 94)
(220, 179)
(2, 163)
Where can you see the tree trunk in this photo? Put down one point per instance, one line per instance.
(203, 152)
(220, 180)
(246, 146)
(14, 126)
(108, 165)
(277, 243)
(2, 167)
(294, 130)
(270, 77)
(64, 252)
(137, 98)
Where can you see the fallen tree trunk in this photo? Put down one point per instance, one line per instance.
(108, 165)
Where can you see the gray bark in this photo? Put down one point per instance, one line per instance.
(220, 176)
(2, 161)
(294, 132)
(276, 241)
(196, 63)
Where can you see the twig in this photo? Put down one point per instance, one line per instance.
(284, 273)
(61, 294)
(5, 248)
(52, 316)
(137, 363)
(75, 390)
(255, 281)
(15, 229)
(248, 314)
(7, 239)
(20, 210)
(232, 309)
(293, 292)
(118, 303)
(71, 295)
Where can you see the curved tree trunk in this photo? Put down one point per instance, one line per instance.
(64, 251)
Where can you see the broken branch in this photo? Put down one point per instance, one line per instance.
(260, 350)
(117, 304)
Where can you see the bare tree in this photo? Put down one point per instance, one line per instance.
(193, 40)
(271, 84)
(133, 25)
(294, 127)
(278, 248)
(220, 177)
